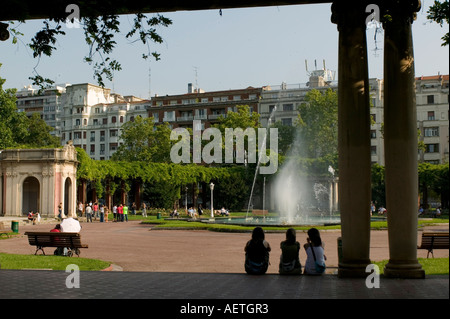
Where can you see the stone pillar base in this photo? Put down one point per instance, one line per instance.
(408, 269)
(353, 270)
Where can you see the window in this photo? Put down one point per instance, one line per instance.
(102, 136)
(113, 133)
(169, 116)
(77, 135)
(95, 121)
(431, 148)
(200, 114)
(77, 122)
(431, 116)
(373, 134)
(93, 136)
(430, 99)
(92, 149)
(286, 121)
(431, 131)
(121, 119)
(288, 107)
(373, 150)
(105, 121)
(113, 119)
(271, 108)
(374, 117)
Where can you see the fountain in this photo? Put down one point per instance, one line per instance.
(298, 202)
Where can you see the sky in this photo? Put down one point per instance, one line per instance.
(240, 48)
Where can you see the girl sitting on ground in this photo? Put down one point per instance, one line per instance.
(257, 253)
(289, 259)
(315, 257)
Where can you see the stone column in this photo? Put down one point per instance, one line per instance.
(353, 137)
(400, 140)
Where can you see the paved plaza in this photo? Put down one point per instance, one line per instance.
(200, 265)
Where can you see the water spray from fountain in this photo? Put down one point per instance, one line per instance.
(262, 148)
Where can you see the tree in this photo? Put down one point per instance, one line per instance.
(286, 137)
(242, 118)
(317, 122)
(440, 12)
(100, 22)
(378, 185)
(142, 141)
(16, 130)
(39, 133)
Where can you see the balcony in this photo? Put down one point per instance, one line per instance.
(200, 117)
(216, 116)
(188, 118)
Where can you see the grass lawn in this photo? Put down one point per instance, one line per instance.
(186, 223)
(432, 266)
(12, 261)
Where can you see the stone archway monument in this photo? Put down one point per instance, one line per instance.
(38, 180)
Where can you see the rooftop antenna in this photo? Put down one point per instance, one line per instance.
(196, 78)
(149, 83)
(306, 65)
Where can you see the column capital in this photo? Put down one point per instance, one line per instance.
(399, 11)
(350, 13)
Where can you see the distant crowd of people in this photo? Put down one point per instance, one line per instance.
(120, 211)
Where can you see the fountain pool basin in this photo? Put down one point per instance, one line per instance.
(283, 222)
(278, 222)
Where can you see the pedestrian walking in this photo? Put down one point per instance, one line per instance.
(88, 213)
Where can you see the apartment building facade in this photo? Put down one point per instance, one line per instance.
(432, 99)
(49, 104)
(93, 116)
(181, 110)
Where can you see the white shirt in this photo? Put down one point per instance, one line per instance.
(310, 266)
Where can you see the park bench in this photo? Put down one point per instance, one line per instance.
(434, 240)
(260, 212)
(71, 241)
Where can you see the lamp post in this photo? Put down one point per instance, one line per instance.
(211, 186)
(185, 199)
